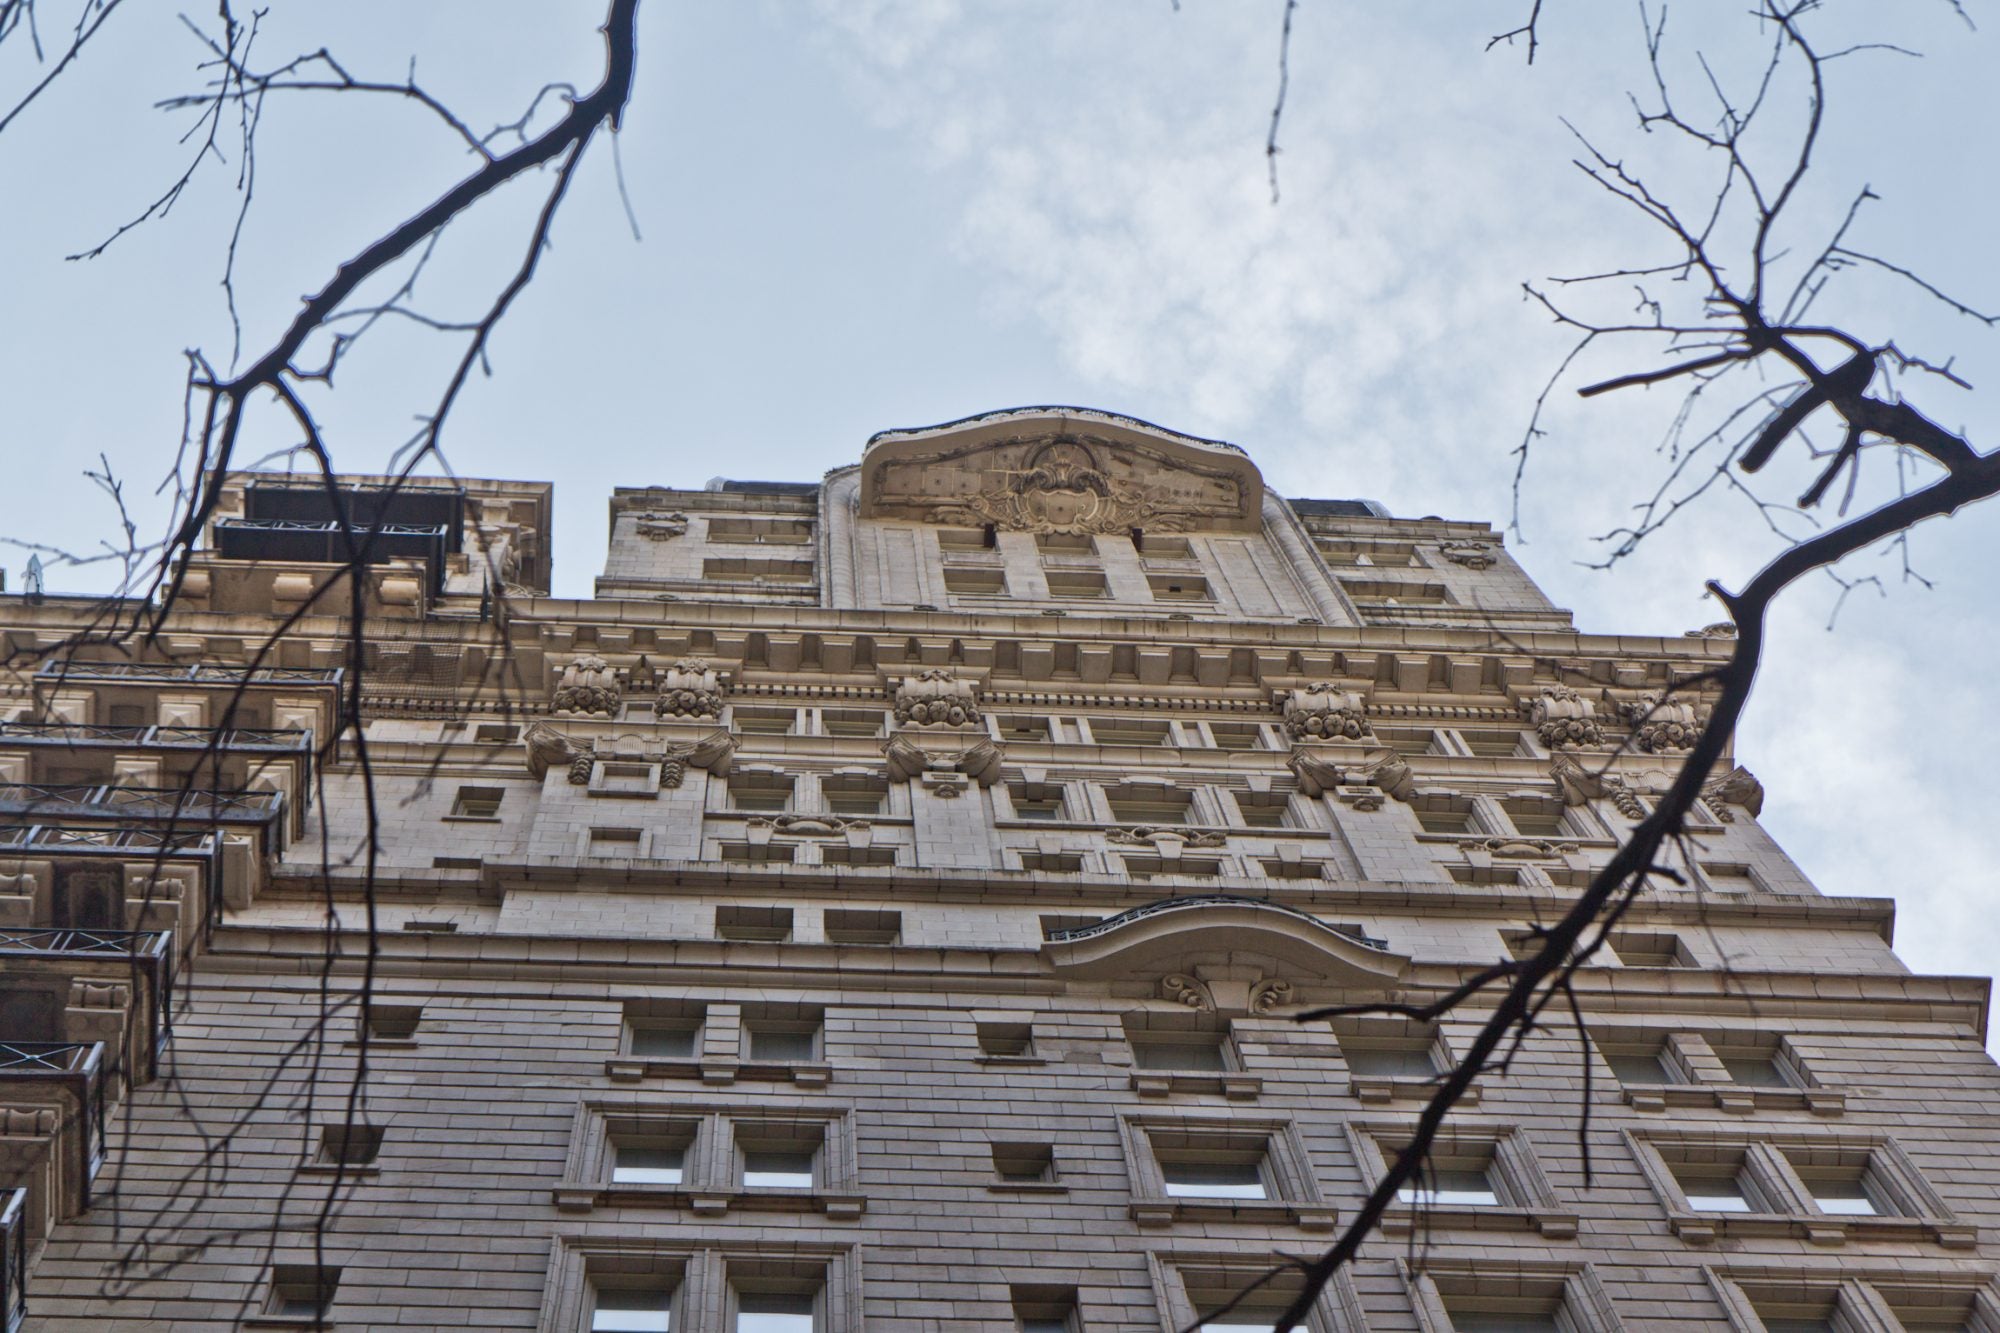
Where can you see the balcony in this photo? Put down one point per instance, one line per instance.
(179, 810)
(229, 740)
(176, 675)
(68, 877)
(112, 987)
(53, 1104)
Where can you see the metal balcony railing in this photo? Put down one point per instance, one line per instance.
(13, 1259)
(57, 803)
(72, 735)
(173, 673)
(144, 955)
(1195, 902)
(77, 1067)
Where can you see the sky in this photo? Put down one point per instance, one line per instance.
(856, 215)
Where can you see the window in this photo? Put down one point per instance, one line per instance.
(349, 1145)
(1536, 818)
(477, 803)
(663, 1030)
(1450, 817)
(1643, 1065)
(754, 853)
(965, 539)
(852, 722)
(1052, 863)
(1237, 736)
(1065, 543)
(763, 721)
(1162, 548)
(760, 793)
(1076, 583)
(392, 1022)
(1152, 867)
(1046, 805)
(756, 925)
(788, 1168)
(631, 1310)
(851, 797)
(429, 926)
(1514, 1296)
(301, 1291)
(614, 778)
(1024, 1163)
(1180, 588)
(1283, 869)
(1028, 730)
(1041, 1309)
(1006, 1041)
(1471, 1177)
(1131, 731)
(615, 843)
(1265, 809)
(1647, 949)
(1149, 804)
(974, 581)
(458, 863)
(1410, 1059)
(759, 531)
(842, 854)
(858, 925)
(756, 571)
(775, 1312)
(639, 1163)
(1188, 1168)
(1452, 1183)
(782, 1033)
(1754, 1067)
(1194, 1286)
(1176, 1043)
(1198, 1179)
(493, 733)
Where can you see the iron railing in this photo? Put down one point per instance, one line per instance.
(280, 740)
(129, 843)
(173, 673)
(1195, 902)
(13, 1259)
(149, 953)
(77, 1067)
(192, 807)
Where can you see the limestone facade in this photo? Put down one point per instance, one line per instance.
(884, 906)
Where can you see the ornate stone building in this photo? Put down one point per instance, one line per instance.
(883, 906)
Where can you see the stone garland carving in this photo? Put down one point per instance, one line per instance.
(942, 773)
(712, 752)
(1563, 719)
(691, 688)
(937, 697)
(546, 748)
(90, 995)
(810, 826)
(660, 527)
(1380, 770)
(1324, 711)
(1576, 785)
(1739, 786)
(1518, 849)
(1471, 554)
(1184, 989)
(587, 685)
(1152, 835)
(1661, 726)
(1062, 489)
(1269, 994)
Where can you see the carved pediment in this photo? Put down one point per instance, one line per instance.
(1215, 934)
(1060, 470)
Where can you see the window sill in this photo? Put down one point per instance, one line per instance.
(614, 793)
(717, 1073)
(1705, 1228)
(1736, 1100)
(1010, 1061)
(1402, 1218)
(1164, 1083)
(1164, 1211)
(580, 1197)
(467, 819)
(1377, 1089)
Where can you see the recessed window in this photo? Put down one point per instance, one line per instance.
(431, 926)
(1754, 1069)
(1412, 1059)
(1024, 1163)
(631, 1310)
(841, 854)
(1537, 819)
(1130, 731)
(732, 531)
(974, 581)
(1180, 588)
(1149, 804)
(1006, 1041)
(1028, 730)
(756, 853)
(1237, 735)
(1162, 548)
(1065, 543)
(782, 1034)
(302, 1291)
(775, 1312)
(757, 571)
(763, 721)
(756, 925)
(393, 1022)
(665, 1038)
(615, 778)
(1647, 949)
(614, 843)
(1453, 818)
(851, 797)
(786, 1167)
(1076, 583)
(458, 863)
(1158, 1045)
(851, 722)
(349, 1145)
(1845, 1198)
(647, 1164)
(1640, 1066)
(1715, 1193)
(1457, 1184)
(493, 733)
(477, 803)
(760, 793)
(1052, 863)
(1153, 867)
(1045, 807)
(861, 925)
(1188, 1178)
(1041, 1309)
(1264, 809)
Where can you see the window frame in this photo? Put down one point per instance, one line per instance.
(703, 1288)
(1526, 1199)
(1292, 1191)
(714, 1139)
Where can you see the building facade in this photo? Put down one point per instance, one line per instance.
(884, 905)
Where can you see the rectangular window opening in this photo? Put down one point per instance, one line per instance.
(477, 802)
(861, 925)
(754, 925)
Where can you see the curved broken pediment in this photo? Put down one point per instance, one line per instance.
(1215, 932)
(1060, 470)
